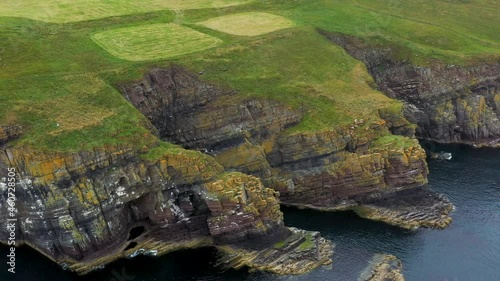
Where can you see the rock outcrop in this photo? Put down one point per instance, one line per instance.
(86, 209)
(409, 208)
(8, 133)
(383, 267)
(337, 168)
(295, 254)
(449, 103)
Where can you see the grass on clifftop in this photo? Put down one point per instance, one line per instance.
(61, 85)
(248, 24)
(154, 41)
(62, 11)
(301, 68)
(452, 31)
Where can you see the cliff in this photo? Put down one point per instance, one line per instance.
(216, 181)
(86, 209)
(449, 103)
(335, 169)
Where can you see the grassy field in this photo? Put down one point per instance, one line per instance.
(154, 41)
(333, 88)
(63, 11)
(451, 31)
(248, 24)
(61, 85)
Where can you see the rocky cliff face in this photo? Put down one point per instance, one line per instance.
(8, 133)
(86, 209)
(337, 168)
(449, 103)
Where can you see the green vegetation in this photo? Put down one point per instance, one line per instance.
(161, 150)
(153, 41)
(62, 86)
(452, 31)
(62, 11)
(394, 142)
(308, 244)
(280, 244)
(248, 24)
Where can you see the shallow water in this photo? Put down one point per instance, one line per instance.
(468, 250)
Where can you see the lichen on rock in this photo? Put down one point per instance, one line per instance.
(86, 209)
(330, 169)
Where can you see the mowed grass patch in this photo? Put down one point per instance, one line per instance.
(248, 24)
(154, 41)
(62, 11)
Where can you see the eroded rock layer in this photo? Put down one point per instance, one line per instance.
(449, 103)
(86, 209)
(336, 168)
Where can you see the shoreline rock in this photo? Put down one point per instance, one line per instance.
(383, 267)
(84, 210)
(299, 253)
(410, 209)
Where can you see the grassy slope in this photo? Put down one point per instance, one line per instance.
(55, 74)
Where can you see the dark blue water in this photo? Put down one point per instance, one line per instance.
(469, 250)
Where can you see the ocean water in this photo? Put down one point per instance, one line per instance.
(469, 250)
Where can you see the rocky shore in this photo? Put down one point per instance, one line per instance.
(86, 209)
(383, 267)
(297, 254)
(232, 162)
(409, 208)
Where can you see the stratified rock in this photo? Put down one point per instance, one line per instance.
(86, 209)
(331, 169)
(383, 268)
(449, 103)
(409, 208)
(297, 254)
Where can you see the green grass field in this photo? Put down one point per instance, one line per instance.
(248, 24)
(154, 41)
(61, 61)
(62, 11)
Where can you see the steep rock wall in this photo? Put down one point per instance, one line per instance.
(86, 209)
(449, 103)
(337, 168)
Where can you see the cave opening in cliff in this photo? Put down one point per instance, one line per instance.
(192, 204)
(136, 232)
